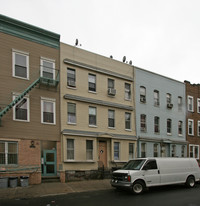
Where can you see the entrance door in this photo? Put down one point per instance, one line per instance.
(102, 154)
(49, 162)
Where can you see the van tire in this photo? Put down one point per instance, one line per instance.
(138, 187)
(190, 182)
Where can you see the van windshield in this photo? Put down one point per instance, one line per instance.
(133, 165)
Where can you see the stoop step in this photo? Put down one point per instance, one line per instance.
(50, 179)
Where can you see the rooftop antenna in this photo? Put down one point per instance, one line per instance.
(76, 43)
(130, 62)
(111, 56)
(124, 59)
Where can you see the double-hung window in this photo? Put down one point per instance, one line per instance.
(198, 105)
(71, 113)
(142, 94)
(155, 150)
(47, 68)
(143, 127)
(89, 149)
(127, 91)
(21, 111)
(92, 83)
(8, 153)
(169, 126)
(92, 116)
(190, 104)
(180, 103)
(180, 128)
(20, 64)
(156, 124)
(71, 77)
(70, 149)
(173, 150)
(156, 98)
(116, 151)
(198, 128)
(131, 151)
(48, 111)
(143, 150)
(111, 118)
(127, 121)
(190, 127)
(194, 151)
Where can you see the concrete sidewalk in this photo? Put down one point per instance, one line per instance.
(55, 188)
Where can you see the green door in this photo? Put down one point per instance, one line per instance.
(49, 163)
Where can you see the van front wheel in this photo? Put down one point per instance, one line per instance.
(138, 187)
(190, 182)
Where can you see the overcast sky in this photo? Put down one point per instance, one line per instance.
(162, 36)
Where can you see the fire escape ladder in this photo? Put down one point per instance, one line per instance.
(17, 99)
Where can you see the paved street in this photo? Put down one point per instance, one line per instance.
(160, 196)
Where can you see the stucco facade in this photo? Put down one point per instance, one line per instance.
(94, 106)
(160, 115)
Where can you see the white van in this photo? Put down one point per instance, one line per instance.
(141, 173)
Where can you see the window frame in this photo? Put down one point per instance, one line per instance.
(131, 150)
(192, 103)
(92, 115)
(93, 83)
(143, 121)
(128, 121)
(180, 128)
(117, 152)
(70, 149)
(6, 153)
(169, 126)
(142, 94)
(169, 98)
(127, 91)
(70, 113)
(42, 60)
(143, 150)
(155, 150)
(71, 79)
(113, 119)
(180, 103)
(28, 108)
(193, 151)
(89, 151)
(156, 97)
(25, 54)
(157, 131)
(192, 121)
(53, 101)
(198, 105)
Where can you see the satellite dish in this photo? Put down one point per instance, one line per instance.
(111, 56)
(76, 43)
(130, 62)
(124, 58)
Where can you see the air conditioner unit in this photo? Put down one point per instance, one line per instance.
(112, 91)
(71, 83)
(169, 105)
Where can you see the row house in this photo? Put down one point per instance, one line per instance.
(160, 115)
(98, 116)
(29, 100)
(193, 119)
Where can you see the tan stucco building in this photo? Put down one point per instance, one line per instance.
(97, 112)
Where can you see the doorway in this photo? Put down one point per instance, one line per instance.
(102, 154)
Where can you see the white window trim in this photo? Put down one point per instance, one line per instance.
(14, 51)
(54, 110)
(127, 99)
(28, 108)
(192, 103)
(191, 120)
(198, 101)
(47, 60)
(198, 125)
(119, 151)
(193, 146)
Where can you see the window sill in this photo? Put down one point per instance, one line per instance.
(46, 123)
(79, 161)
(20, 120)
(92, 92)
(74, 88)
(128, 100)
(71, 123)
(128, 130)
(118, 161)
(94, 126)
(113, 128)
(21, 78)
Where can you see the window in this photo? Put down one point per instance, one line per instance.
(8, 153)
(180, 103)
(190, 104)
(70, 149)
(20, 65)
(48, 115)
(143, 150)
(127, 120)
(89, 149)
(156, 98)
(116, 150)
(169, 126)
(21, 111)
(142, 94)
(180, 128)
(71, 77)
(143, 123)
(111, 83)
(131, 151)
(198, 105)
(156, 124)
(169, 98)
(71, 111)
(150, 165)
(183, 151)
(92, 116)
(155, 150)
(198, 128)
(194, 151)
(92, 82)
(173, 150)
(47, 68)
(127, 91)
(111, 118)
(190, 127)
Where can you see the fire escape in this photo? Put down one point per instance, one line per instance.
(48, 77)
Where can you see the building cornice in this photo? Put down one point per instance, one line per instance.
(97, 69)
(97, 102)
(28, 32)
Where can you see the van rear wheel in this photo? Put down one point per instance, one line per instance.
(138, 187)
(190, 182)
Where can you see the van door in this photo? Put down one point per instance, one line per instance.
(151, 173)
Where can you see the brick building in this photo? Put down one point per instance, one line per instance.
(29, 100)
(193, 119)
